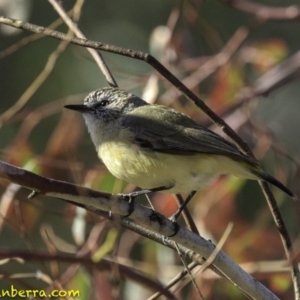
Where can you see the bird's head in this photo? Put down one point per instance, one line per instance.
(107, 103)
(103, 107)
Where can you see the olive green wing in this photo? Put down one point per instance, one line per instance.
(162, 129)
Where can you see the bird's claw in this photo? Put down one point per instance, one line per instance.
(130, 199)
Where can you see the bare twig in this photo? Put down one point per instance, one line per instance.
(72, 26)
(187, 215)
(175, 280)
(263, 12)
(35, 84)
(29, 39)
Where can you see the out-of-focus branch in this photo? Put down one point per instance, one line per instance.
(39, 80)
(211, 65)
(86, 260)
(270, 81)
(29, 39)
(263, 12)
(278, 76)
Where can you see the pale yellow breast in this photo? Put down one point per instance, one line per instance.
(128, 162)
(148, 169)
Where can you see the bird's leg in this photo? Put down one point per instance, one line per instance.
(176, 215)
(131, 196)
(143, 192)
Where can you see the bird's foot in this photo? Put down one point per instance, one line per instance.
(131, 196)
(130, 199)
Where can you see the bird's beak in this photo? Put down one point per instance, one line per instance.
(78, 107)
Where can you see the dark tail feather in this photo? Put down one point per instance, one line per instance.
(272, 180)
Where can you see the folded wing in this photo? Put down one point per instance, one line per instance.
(165, 130)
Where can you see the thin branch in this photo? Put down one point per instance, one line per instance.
(39, 80)
(72, 26)
(187, 215)
(278, 76)
(175, 280)
(29, 39)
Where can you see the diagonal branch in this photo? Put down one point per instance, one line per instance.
(73, 27)
(153, 221)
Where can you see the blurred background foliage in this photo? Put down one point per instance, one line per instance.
(189, 38)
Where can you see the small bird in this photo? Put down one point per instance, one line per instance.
(159, 148)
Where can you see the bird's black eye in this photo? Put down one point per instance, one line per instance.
(102, 103)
